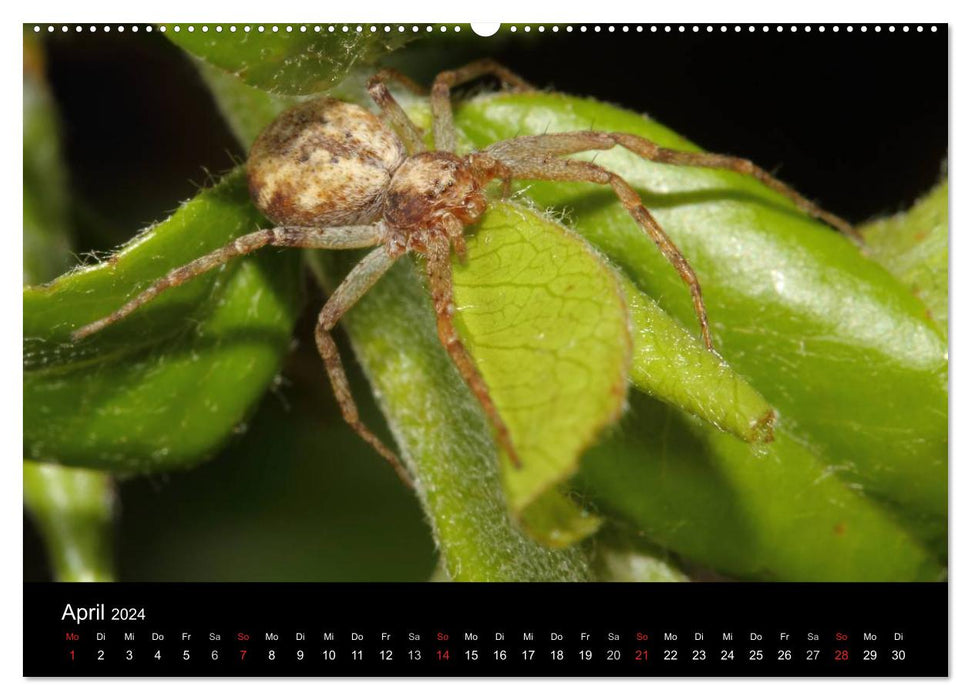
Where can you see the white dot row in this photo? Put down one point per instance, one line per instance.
(303, 28)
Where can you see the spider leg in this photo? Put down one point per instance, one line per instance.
(406, 129)
(358, 281)
(547, 167)
(341, 237)
(441, 95)
(525, 147)
(386, 75)
(439, 268)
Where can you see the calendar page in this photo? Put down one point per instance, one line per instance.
(410, 349)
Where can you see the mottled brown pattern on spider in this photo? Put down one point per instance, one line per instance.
(323, 163)
(430, 187)
(332, 175)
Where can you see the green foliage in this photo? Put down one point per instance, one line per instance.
(839, 347)
(285, 62)
(913, 246)
(813, 448)
(768, 512)
(443, 435)
(74, 510)
(546, 322)
(165, 388)
(618, 557)
(297, 497)
(674, 366)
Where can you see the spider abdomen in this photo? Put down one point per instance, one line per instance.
(323, 163)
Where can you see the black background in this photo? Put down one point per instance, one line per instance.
(857, 121)
(839, 614)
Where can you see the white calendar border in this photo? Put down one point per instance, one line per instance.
(708, 11)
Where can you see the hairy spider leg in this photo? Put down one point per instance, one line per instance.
(386, 75)
(442, 124)
(392, 112)
(572, 142)
(438, 266)
(358, 281)
(336, 238)
(547, 167)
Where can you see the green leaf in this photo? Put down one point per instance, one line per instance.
(672, 365)
(442, 433)
(772, 280)
(46, 237)
(669, 363)
(768, 512)
(547, 326)
(285, 62)
(546, 322)
(74, 511)
(534, 494)
(73, 508)
(167, 386)
(828, 337)
(913, 246)
(620, 557)
(299, 497)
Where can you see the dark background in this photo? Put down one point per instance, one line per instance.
(856, 121)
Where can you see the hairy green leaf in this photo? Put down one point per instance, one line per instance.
(767, 512)
(546, 322)
(167, 386)
(747, 205)
(490, 297)
(442, 433)
(285, 62)
(672, 365)
(621, 557)
(834, 342)
(913, 246)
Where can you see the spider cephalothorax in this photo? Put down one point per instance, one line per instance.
(429, 188)
(332, 175)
